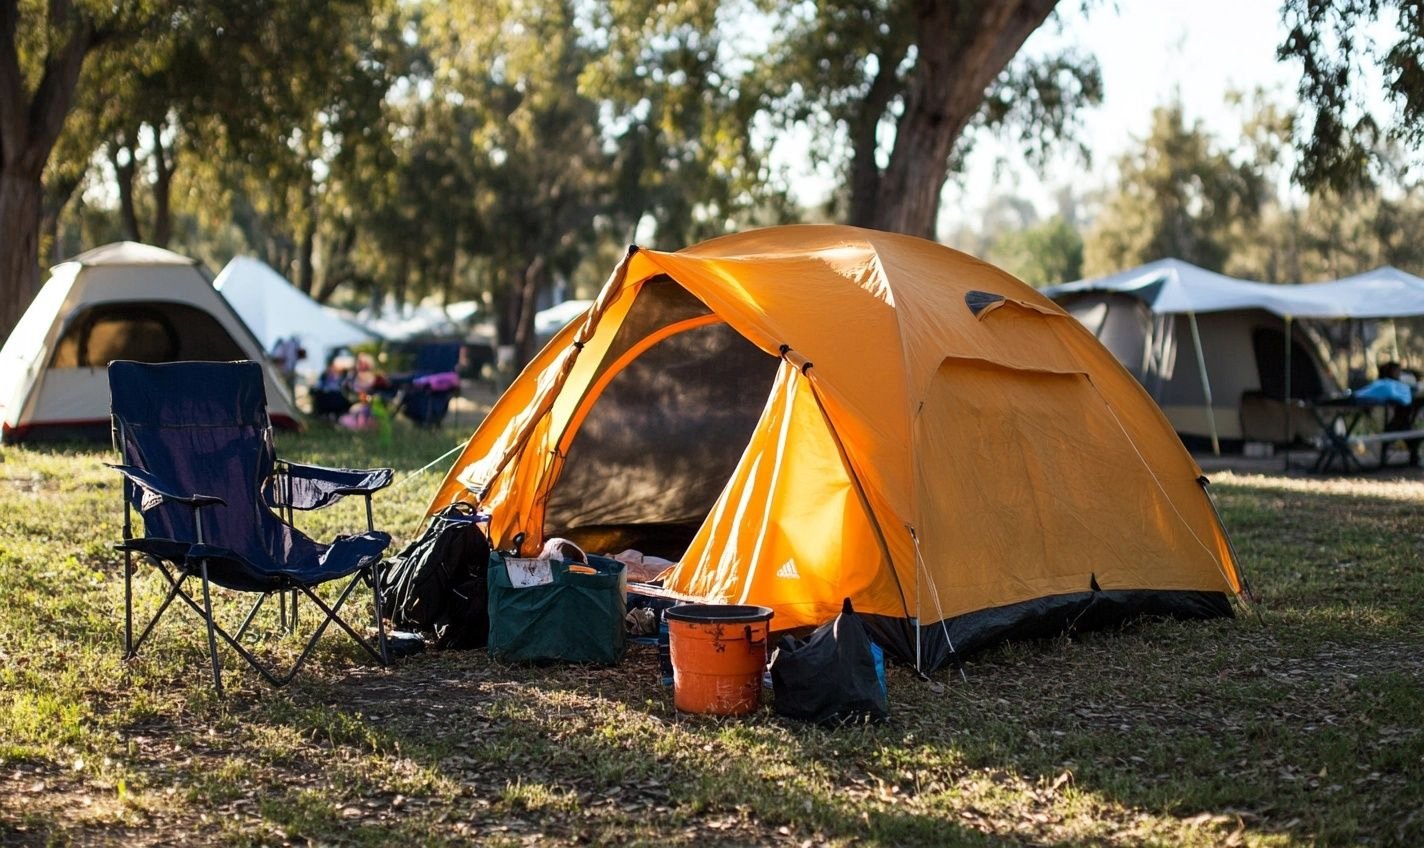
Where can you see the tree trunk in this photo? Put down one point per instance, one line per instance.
(57, 194)
(864, 137)
(337, 269)
(962, 48)
(30, 123)
(401, 283)
(163, 164)
(124, 171)
(530, 283)
(19, 260)
(306, 271)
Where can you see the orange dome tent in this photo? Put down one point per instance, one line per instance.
(798, 415)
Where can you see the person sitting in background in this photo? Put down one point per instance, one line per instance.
(286, 353)
(329, 398)
(1401, 415)
(368, 380)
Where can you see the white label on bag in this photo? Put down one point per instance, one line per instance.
(524, 573)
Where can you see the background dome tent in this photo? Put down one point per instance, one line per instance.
(804, 414)
(1210, 349)
(120, 301)
(274, 309)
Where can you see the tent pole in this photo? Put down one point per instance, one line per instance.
(1287, 431)
(919, 665)
(1394, 340)
(1206, 385)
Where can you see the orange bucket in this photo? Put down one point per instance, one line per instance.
(718, 656)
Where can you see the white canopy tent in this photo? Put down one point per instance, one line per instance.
(1385, 292)
(409, 321)
(1238, 345)
(275, 309)
(1171, 287)
(548, 322)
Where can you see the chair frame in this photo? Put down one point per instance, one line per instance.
(178, 574)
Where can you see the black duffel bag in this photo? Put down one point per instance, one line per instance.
(833, 677)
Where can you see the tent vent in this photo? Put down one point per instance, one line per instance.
(978, 301)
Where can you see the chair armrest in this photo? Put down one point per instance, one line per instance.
(156, 491)
(315, 486)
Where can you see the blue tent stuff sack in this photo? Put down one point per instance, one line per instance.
(554, 611)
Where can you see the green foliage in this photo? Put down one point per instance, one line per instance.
(1177, 196)
(682, 118)
(1332, 40)
(1043, 254)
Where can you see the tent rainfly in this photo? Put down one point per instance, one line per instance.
(274, 309)
(804, 414)
(119, 301)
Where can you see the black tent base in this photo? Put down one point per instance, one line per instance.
(1037, 619)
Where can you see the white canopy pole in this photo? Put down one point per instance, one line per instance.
(1287, 429)
(1206, 384)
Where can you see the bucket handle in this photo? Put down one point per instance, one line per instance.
(751, 644)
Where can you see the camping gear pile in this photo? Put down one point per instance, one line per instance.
(813, 424)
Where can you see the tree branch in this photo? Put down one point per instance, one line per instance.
(55, 93)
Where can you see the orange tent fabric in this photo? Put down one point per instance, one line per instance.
(936, 441)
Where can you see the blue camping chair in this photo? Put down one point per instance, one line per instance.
(217, 505)
(425, 393)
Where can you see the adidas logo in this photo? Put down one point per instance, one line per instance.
(788, 571)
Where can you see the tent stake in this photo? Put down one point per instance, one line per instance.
(1206, 384)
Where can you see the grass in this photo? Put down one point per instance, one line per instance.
(1302, 726)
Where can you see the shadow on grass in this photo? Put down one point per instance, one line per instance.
(1304, 727)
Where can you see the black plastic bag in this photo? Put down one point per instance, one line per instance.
(834, 677)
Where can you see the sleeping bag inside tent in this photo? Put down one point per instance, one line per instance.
(799, 415)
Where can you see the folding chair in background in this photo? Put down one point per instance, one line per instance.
(217, 505)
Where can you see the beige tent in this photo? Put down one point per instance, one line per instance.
(1210, 349)
(119, 301)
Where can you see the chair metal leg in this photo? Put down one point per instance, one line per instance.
(378, 602)
(174, 591)
(251, 614)
(332, 616)
(128, 604)
(212, 638)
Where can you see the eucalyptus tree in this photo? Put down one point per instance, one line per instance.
(682, 103)
(892, 86)
(540, 172)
